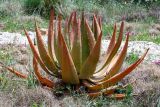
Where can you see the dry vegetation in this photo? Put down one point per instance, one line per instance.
(17, 92)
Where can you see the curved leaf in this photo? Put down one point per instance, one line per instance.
(96, 27)
(110, 56)
(44, 81)
(118, 77)
(115, 64)
(35, 54)
(21, 75)
(51, 37)
(43, 52)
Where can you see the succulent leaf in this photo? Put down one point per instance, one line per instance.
(90, 34)
(51, 37)
(119, 76)
(69, 73)
(114, 65)
(56, 42)
(43, 52)
(21, 75)
(84, 38)
(113, 41)
(96, 27)
(90, 64)
(76, 51)
(110, 56)
(44, 81)
(36, 55)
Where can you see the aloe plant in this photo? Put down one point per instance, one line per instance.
(73, 55)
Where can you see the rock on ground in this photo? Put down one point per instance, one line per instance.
(136, 47)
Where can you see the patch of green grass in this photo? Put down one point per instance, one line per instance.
(146, 37)
(6, 57)
(11, 8)
(107, 29)
(11, 25)
(31, 80)
(10, 84)
(131, 58)
(3, 80)
(149, 20)
(37, 105)
(14, 24)
(102, 101)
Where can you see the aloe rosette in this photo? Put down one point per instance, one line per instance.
(73, 55)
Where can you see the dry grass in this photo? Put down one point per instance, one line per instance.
(18, 94)
(24, 97)
(17, 56)
(146, 86)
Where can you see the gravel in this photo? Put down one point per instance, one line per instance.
(136, 47)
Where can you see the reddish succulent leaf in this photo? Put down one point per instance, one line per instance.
(43, 52)
(70, 32)
(69, 73)
(110, 48)
(119, 76)
(76, 51)
(51, 36)
(21, 75)
(44, 81)
(70, 20)
(66, 33)
(66, 27)
(90, 35)
(113, 52)
(118, 96)
(96, 27)
(90, 64)
(107, 92)
(118, 43)
(36, 55)
(56, 44)
(95, 94)
(71, 38)
(113, 41)
(93, 28)
(116, 63)
(100, 22)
